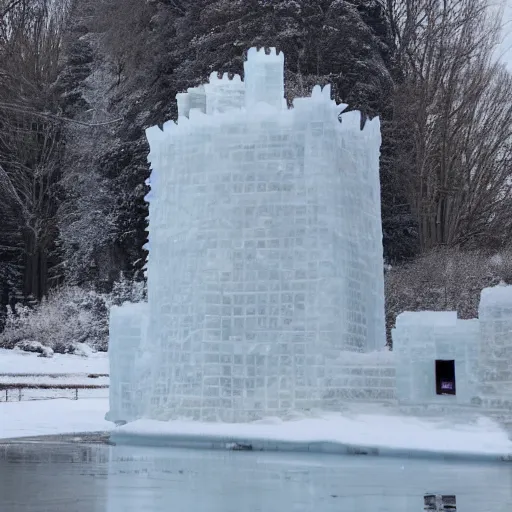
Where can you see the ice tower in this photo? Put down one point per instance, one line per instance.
(265, 249)
(264, 79)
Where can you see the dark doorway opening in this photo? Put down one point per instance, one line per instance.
(445, 377)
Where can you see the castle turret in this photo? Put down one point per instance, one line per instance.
(264, 78)
(224, 94)
(265, 265)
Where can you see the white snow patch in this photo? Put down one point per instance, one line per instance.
(482, 436)
(17, 361)
(52, 417)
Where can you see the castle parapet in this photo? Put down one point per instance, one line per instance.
(224, 94)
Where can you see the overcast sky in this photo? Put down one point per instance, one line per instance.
(507, 35)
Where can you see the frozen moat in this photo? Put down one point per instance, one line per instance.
(83, 478)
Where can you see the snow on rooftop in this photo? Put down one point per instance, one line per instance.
(500, 295)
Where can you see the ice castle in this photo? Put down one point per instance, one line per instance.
(265, 267)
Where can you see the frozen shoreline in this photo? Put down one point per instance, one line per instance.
(384, 435)
(82, 421)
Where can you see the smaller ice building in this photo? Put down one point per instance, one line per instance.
(436, 356)
(442, 361)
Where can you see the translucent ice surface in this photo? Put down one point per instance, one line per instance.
(265, 252)
(128, 326)
(495, 315)
(265, 273)
(249, 482)
(82, 478)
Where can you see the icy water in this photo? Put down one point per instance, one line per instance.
(97, 478)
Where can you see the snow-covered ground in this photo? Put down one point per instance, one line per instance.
(52, 411)
(16, 361)
(52, 417)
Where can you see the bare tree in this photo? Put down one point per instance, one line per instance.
(121, 22)
(453, 120)
(444, 279)
(30, 140)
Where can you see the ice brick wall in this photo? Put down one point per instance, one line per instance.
(420, 338)
(355, 377)
(128, 328)
(194, 98)
(264, 78)
(224, 94)
(265, 243)
(495, 361)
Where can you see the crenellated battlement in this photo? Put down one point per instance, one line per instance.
(263, 84)
(224, 79)
(261, 54)
(223, 93)
(194, 98)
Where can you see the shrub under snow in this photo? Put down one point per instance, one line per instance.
(67, 319)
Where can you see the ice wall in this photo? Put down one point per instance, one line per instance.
(421, 338)
(495, 361)
(224, 94)
(481, 349)
(265, 251)
(358, 377)
(128, 328)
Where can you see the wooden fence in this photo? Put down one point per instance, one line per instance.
(13, 391)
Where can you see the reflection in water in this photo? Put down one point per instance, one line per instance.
(53, 478)
(78, 478)
(440, 503)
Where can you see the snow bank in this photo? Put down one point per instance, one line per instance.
(52, 417)
(369, 434)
